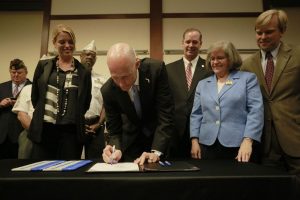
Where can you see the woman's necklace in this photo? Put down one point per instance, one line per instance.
(66, 90)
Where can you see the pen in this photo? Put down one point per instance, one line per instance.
(111, 156)
(168, 163)
(161, 163)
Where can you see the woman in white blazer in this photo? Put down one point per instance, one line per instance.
(227, 114)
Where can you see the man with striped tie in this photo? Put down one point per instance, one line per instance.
(184, 75)
(277, 66)
(10, 126)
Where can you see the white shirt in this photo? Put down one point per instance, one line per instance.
(23, 102)
(20, 86)
(97, 100)
(194, 63)
(264, 59)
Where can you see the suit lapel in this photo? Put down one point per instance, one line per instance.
(47, 71)
(145, 84)
(212, 88)
(199, 71)
(258, 70)
(179, 71)
(231, 81)
(282, 60)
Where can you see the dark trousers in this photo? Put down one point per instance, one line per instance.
(218, 151)
(58, 142)
(180, 146)
(276, 157)
(8, 149)
(94, 145)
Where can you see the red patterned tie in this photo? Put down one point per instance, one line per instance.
(189, 76)
(269, 70)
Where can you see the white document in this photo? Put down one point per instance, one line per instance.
(118, 167)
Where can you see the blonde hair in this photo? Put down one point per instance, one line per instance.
(63, 28)
(265, 17)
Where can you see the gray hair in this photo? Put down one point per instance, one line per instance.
(235, 60)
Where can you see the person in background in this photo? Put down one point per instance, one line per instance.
(61, 95)
(24, 109)
(184, 75)
(9, 124)
(139, 107)
(95, 116)
(227, 114)
(277, 66)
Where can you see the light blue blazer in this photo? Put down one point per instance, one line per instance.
(236, 112)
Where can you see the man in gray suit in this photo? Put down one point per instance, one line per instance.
(280, 89)
(183, 90)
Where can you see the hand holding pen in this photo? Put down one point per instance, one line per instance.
(111, 155)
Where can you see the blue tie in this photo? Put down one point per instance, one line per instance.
(136, 101)
(138, 108)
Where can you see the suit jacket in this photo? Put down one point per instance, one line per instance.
(183, 97)
(10, 126)
(38, 94)
(123, 124)
(282, 104)
(234, 113)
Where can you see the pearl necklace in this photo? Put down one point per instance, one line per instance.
(67, 90)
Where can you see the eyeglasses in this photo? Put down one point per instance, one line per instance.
(218, 59)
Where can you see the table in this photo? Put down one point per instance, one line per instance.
(217, 179)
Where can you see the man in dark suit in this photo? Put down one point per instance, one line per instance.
(143, 131)
(281, 136)
(10, 126)
(183, 91)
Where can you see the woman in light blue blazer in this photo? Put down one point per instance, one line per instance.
(227, 114)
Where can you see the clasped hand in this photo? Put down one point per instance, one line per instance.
(7, 102)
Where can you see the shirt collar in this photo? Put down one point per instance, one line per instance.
(273, 52)
(194, 62)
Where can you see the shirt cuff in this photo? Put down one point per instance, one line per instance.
(158, 153)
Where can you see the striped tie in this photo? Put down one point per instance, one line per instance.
(16, 90)
(189, 76)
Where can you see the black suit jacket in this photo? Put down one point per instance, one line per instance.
(10, 126)
(38, 94)
(124, 126)
(183, 97)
